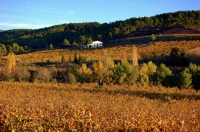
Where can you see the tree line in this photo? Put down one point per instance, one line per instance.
(17, 49)
(105, 71)
(39, 38)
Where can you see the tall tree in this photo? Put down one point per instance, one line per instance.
(102, 70)
(11, 62)
(134, 56)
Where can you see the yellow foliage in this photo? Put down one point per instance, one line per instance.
(63, 107)
(115, 53)
(11, 62)
(83, 70)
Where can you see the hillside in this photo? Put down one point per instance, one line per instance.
(180, 22)
(152, 51)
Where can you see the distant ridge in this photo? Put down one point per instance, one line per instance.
(181, 22)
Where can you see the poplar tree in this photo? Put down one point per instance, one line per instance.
(134, 56)
(11, 62)
(103, 69)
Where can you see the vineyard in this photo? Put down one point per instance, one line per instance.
(84, 107)
(45, 98)
(153, 49)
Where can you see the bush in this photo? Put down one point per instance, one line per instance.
(163, 75)
(122, 71)
(42, 75)
(184, 79)
(22, 75)
(84, 73)
(71, 78)
(179, 57)
(6, 75)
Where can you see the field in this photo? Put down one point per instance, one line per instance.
(85, 107)
(147, 51)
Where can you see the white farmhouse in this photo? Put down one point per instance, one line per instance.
(94, 44)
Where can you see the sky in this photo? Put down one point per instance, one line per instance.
(35, 14)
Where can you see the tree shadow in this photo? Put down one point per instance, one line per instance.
(138, 93)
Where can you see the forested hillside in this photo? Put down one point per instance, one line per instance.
(81, 33)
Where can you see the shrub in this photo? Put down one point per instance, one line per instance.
(71, 78)
(122, 71)
(84, 73)
(22, 74)
(42, 75)
(184, 79)
(178, 57)
(163, 75)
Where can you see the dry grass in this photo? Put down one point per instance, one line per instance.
(81, 107)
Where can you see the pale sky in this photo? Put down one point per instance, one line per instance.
(34, 14)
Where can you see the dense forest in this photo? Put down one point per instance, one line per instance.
(76, 34)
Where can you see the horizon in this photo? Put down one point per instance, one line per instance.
(26, 14)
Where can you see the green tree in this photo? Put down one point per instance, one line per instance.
(194, 70)
(3, 50)
(110, 35)
(184, 79)
(27, 49)
(82, 40)
(89, 40)
(51, 47)
(152, 37)
(74, 44)
(99, 37)
(146, 73)
(116, 32)
(143, 78)
(170, 17)
(15, 47)
(163, 75)
(122, 72)
(21, 49)
(66, 43)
